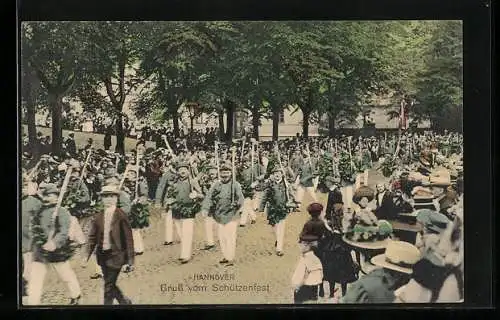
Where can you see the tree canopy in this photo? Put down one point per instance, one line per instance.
(326, 69)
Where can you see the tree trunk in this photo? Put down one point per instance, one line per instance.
(191, 119)
(331, 125)
(276, 120)
(305, 123)
(255, 123)
(120, 135)
(229, 120)
(175, 121)
(220, 118)
(30, 91)
(55, 103)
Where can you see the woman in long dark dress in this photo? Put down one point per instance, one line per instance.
(335, 255)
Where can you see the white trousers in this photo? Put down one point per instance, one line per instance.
(248, 210)
(27, 259)
(169, 227)
(302, 190)
(185, 227)
(37, 276)
(227, 239)
(138, 243)
(209, 230)
(279, 233)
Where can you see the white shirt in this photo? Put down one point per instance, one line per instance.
(108, 216)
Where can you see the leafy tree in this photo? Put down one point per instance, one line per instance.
(440, 85)
(53, 51)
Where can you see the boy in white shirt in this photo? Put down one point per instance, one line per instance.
(308, 275)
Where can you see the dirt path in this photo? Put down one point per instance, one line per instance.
(256, 263)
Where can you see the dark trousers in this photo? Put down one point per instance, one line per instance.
(111, 291)
(306, 293)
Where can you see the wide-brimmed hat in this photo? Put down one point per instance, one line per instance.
(109, 189)
(433, 222)
(398, 256)
(363, 192)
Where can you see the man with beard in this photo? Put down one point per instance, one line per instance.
(279, 203)
(225, 200)
(185, 195)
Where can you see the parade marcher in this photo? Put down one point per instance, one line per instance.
(225, 199)
(50, 251)
(206, 183)
(307, 276)
(279, 202)
(245, 176)
(139, 212)
(166, 181)
(306, 184)
(31, 204)
(379, 285)
(185, 195)
(111, 238)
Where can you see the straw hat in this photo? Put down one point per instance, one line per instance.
(399, 256)
(109, 189)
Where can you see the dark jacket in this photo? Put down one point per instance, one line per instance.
(71, 146)
(121, 241)
(385, 209)
(334, 211)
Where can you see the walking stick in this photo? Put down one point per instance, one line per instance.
(217, 159)
(84, 168)
(59, 201)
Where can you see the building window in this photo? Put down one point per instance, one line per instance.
(282, 116)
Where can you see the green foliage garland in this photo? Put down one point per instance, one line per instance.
(139, 216)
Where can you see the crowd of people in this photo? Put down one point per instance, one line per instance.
(228, 184)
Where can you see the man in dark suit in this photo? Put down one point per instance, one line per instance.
(111, 237)
(71, 145)
(385, 205)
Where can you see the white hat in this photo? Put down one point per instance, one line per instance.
(399, 256)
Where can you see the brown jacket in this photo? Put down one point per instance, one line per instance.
(122, 244)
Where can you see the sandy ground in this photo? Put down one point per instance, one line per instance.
(157, 272)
